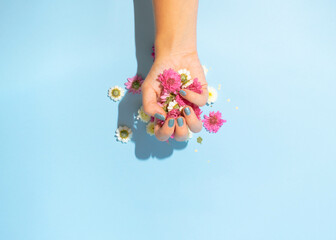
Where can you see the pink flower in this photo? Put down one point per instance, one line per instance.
(170, 80)
(181, 101)
(184, 102)
(153, 52)
(134, 84)
(173, 113)
(197, 111)
(213, 122)
(164, 95)
(196, 86)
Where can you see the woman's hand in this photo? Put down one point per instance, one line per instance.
(175, 47)
(151, 91)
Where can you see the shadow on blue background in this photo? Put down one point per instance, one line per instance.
(145, 146)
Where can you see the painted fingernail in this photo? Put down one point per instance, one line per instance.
(171, 122)
(180, 122)
(187, 111)
(183, 93)
(159, 116)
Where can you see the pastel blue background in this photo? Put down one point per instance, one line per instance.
(268, 174)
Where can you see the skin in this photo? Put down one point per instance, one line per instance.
(175, 47)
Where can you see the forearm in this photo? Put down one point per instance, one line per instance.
(175, 22)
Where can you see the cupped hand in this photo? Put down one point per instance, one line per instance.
(151, 91)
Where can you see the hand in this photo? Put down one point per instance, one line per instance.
(151, 91)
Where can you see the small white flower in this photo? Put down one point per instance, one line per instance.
(187, 83)
(172, 105)
(185, 74)
(123, 134)
(212, 95)
(150, 128)
(116, 93)
(143, 116)
(190, 135)
(185, 77)
(205, 70)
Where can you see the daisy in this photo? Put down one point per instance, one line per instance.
(212, 95)
(170, 80)
(116, 93)
(173, 105)
(123, 134)
(213, 122)
(185, 77)
(190, 135)
(133, 84)
(205, 70)
(150, 128)
(143, 116)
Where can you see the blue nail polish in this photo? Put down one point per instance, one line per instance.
(183, 93)
(187, 111)
(159, 116)
(180, 122)
(171, 122)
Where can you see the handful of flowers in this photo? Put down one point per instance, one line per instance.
(172, 84)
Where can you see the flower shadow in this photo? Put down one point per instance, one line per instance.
(146, 146)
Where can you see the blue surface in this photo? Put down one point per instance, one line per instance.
(268, 174)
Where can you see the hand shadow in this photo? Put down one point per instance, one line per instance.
(146, 146)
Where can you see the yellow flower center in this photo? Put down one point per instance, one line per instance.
(115, 92)
(124, 134)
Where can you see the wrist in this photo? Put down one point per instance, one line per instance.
(170, 45)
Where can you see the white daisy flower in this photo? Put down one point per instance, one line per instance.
(172, 105)
(123, 134)
(185, 77)
(205, 70)
(150, 128)
(188, 83)
(143, 116)
(212, 95)
(116, 93)
(190, 135)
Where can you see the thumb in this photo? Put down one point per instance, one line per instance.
(150, 104)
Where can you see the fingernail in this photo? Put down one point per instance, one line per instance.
(159, 116)
(183, 93)
(187, 111)
(171, 122)
(180, 122)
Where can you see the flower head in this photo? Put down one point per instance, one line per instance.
(196, 86)
(185, 77)
(181, 101)
(173, 105)
(116, 93)
(133, 84)
(212, 95)
(173, 113)
(213, 122)
(150, 128)
(143, 116)
(170, 80)
(153, 52)
(190, 135)
(123, 134)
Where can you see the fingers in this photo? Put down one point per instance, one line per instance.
(163, 133)
(194, 124)
(181, 130)
(149, 100)
(196, 98)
